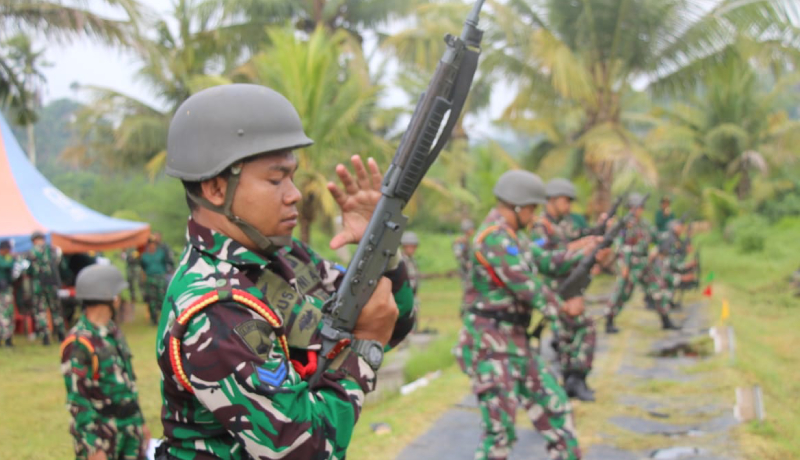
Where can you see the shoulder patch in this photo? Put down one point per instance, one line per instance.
(271, 376)
(540, 242)
(340, 267)
(512, 250)
(257, 334)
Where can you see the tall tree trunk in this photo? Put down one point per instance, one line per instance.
(31, 143)
(603, 178)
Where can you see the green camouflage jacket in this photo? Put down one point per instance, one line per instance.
(633, 244)
(461, 249)
(101, 385)
(6, 269)
(232, 383)
(505, 281)
(44, 266)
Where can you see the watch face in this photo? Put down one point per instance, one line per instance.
(375, 354)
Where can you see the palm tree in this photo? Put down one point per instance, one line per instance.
(27, 65)
(176, 62)
(575, 63)
(328, 83)
(734, 128)
(58, 22)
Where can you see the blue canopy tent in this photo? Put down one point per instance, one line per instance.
(29, 202)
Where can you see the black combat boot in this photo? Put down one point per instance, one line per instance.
(575, 387)
(667, 324)
(46, 340)
(649, 303)
(610, 328)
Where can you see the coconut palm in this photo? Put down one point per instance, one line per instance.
(733, 129)
(57, 21)
(334, 95)
(575, 63)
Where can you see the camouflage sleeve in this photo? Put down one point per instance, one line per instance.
(239, 373)
(555, 263)
(83, 398)
(332, 274)
(503, 254)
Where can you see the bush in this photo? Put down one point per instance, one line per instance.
(751, 242)
(748, 232)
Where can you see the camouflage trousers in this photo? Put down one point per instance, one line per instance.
(134, 289)
(6, 314)
(576, 343)
(503, 383)
(45, 298)
(119, 440)
(662, 295)
(623, 289)
(155, 288)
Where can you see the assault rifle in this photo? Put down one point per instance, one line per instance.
(600, 228)
(446, 92)
(578, 280)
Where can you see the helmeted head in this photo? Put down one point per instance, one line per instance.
(560, 194)
(467, 227)
(676, 226)
(665, 202)
(636, 203)
(522, 191)
(409, 241)
(38, 238)
(232, 147)
(5, 247)
(99, 284)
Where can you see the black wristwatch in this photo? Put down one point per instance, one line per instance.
(370, 350)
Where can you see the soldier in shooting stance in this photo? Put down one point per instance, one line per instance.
(493, 347)
(556, 230)
(240, 330)
(461, 249)
(633, 265)
(681, 272)
(107, 423)
(43, 270)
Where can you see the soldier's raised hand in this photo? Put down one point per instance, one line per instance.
(357, 199)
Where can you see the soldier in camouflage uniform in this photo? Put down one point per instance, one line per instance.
(633, 265)
(133, 269)
(556, 230)
(677, 266)
(668, 273)
(107, 423)
(493, 348)
(45, 261)
(155, 266)
(461, 249)
(7, 262)
(409, 243)
(240, 329)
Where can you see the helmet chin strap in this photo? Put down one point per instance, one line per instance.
(265, 244)
(517, 209)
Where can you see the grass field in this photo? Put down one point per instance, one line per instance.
(766, 317)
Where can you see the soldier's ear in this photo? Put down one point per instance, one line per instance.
(214, 190)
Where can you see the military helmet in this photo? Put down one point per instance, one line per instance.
(5, 244)
(467, 225)
(560, 187)
(36, 235)
(99, 282)
(520, 188)
(635, 200)
(409, 238)
(222, 125)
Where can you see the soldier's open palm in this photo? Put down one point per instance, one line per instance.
(357, 199)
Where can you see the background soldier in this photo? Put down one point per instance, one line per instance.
(461, 248)
(576, 344)
(241, 330)
(664, 215)
(667, 275)
(133, 269)
(155, 265)
(45, 261)
(107, 423)
(7, 262)
(677, 264)
(409, 243)
(170, 257)
(493, 347)
(633, 265)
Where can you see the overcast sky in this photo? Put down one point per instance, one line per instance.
(90, 64)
